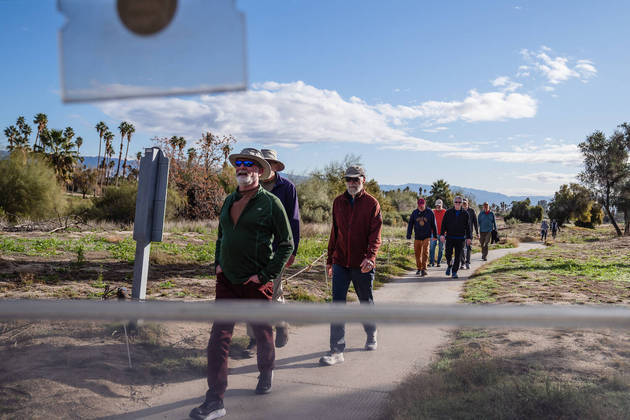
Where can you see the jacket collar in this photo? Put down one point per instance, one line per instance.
(238, 195)
(359, 195)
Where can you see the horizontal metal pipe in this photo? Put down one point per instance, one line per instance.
(569, 316)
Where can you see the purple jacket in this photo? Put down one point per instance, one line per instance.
(286, 192)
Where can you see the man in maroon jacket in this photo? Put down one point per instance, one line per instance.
(354, 241)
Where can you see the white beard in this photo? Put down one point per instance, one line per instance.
(245, 179)
(354, 189)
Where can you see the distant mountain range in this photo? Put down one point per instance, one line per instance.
(479, 195)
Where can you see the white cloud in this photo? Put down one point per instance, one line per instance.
(549, 177)
(565, 154)
(297, 113)
(435, 129)
(556, 69)
(506, 84)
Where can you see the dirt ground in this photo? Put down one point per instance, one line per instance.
(81, 369)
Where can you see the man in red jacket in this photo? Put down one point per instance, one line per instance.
(354, 241)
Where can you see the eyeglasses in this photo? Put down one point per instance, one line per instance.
(352, 179)
(247, 163)
(458, 202)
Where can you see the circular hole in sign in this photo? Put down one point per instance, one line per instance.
(146, 17)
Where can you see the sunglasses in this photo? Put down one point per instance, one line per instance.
(352, 179)
(246, 163)
(458, 202)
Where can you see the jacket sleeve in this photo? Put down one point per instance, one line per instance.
(444, 223)
(217, 250)
(374, 237)
(467, 226)
(282, 231)
(217, 246)
(332, 240)
(474, 222)
(494, 222)
(293, 212)
(410, 225)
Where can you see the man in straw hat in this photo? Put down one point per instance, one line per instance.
(251, 220)
(354, 241)
(286, 192)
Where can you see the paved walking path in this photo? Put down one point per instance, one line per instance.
(355, 389)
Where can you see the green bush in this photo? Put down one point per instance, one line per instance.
(29, 189)
(118, 204)
(315, 206)
(523, 211)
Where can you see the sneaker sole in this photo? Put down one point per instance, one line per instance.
(214, 415)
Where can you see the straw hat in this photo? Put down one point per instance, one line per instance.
(271, 156)
(249, 153)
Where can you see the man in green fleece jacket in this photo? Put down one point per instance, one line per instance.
(251, 218)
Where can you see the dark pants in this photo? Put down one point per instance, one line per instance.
(484, 240)
(362, 283)
(466, 251)
(456, 245)
(221, 336)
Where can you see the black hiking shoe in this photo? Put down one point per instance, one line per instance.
(448, 271)
(418, 273)
(208, 410)
(282, 336)
(264, 383)
(424, 273)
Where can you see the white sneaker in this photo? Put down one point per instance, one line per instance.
(370, 343)
(331, 358)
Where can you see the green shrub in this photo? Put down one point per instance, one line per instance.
(29, 189)
(118, 204)
(315, 206)
(524, 212)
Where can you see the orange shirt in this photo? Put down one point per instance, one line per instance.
(439, 215)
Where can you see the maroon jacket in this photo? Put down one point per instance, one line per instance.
(356, 230)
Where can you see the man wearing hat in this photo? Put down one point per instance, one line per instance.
(422, 221)
(251, 220)
(354, 241)
(286, 192)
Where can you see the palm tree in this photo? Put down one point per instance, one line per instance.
(42, 121)
(79, 143)
(130, 130)
(123, 128)
(25, 132)
(12, 135)
(62, 157)
(101, 128)
(109, 137)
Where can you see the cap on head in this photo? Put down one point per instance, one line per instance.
(271, 156)
(421, 201)
(439, 202)
(249, 153)
(355, 172)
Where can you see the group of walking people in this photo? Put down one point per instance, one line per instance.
(258, 238)
(434, 228)
(544, 228)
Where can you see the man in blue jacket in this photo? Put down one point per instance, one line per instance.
(422, 221)
(286, 192)
(487, 223)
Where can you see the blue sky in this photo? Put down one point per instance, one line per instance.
(490, 95)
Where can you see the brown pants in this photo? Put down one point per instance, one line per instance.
(221, 336)
(484, 241)
(421, 249)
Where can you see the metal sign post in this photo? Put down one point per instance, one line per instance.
(150, 212)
